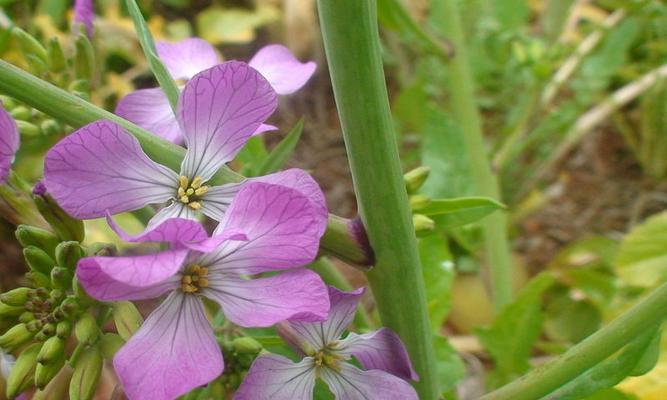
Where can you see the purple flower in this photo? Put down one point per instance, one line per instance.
(102, 168)
(267, 229)
(84, 14)
(386, 364)
(9, 142)
(149, 108)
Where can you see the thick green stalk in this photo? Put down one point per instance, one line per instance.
(466, 113)
(77, 112)
(593, 350)
(352, 45)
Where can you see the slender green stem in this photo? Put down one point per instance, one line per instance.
(352, 45)
(77, 112)
(593, 350)
(465, 112)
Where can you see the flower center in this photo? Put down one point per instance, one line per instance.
(191, 193)
(325, 358)
(194, 278)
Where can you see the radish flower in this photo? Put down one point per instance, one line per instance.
(386, 364)
(84, 14)
(9, 143)
(269, 228)
(150, 109)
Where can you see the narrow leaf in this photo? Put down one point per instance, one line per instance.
(450, 213)
(283, 150)
(163, 77)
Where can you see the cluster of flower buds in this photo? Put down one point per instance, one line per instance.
(414, 180)
(53, 315)
(239, 354)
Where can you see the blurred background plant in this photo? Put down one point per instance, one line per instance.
(565, 232)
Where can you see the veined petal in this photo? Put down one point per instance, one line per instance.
(382, 349)
(150, 109)
(219, 110)
(188, 57)
(177, 231)
(84, 13)
(351, 383)
(298, 295)
(9, 142)
(173, 210)
(174, 352)
(274, 377)
(101, 168)
(131, 278)
(279, 66)
(218, 199)
(282, 226)
(320, 334)
(264, 128)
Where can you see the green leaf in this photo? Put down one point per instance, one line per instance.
(439, 273)
(251, 155)
(233, 25)
(283, 150)
(640, 354)
(450, 213)
(510, 339)
(450, 367)
(642, 257)
(163, 77)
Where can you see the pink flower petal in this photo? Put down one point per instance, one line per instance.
(9, 142)
(219, 110)
(218, 200)
(174, 352)
(131, 278)
(351, 383)
(381, 349)
(285, 73)
(188, 57)
(299, 295)
(174, 210)
(282, 226)
(274, 377)
(318, 335)
(84, 13)
(264, 128)
(101, 168)
(150, 109)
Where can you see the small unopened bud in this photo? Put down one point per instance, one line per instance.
(110, 343)
(68, 254)
(86, 376)
(127, 318)
(26, 317)
(38, 260)
(51, 351)
(56, 56)
(50, 127)
(247, 345)
(44, 373)
(22, 113)
(15, 297)
(15, 337)
(63, 329)
(61, 278)
(32, 236)
(30, 45)
(27, 128)
(21, 376)
(86, 329)
(84, 59)
(415, 179)
(48, 330)
(423, 224)
(70, 307)
(8, 102)
(58, 388)
(10, 311)
(419, 202)
(102, 249)
(65, 226)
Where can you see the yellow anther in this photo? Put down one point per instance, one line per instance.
(194, 278)
(190, 193)
(196, 183)
(203, 271)
(181, 192)
(184, 199)
(187, 279)
(183, 182)
(203, 282)
(195, 205)
(202, 190)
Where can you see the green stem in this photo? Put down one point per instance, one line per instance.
(351, 41)
(465, 112)
(593, 350)
(77, 112)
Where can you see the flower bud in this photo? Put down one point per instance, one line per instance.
(15, 297)
(50, 127)
(58, 388)
(423, 224)
(61, 278)
(38, 279)
(68, 254)
(26, 317)
(86, 329)
(110, 343)
(48, 330)
(22, 373)
(44, 373)
(127, 318)
(15, 337)
(38, 260)
(32, 236)
(70, 307)
(56, 56)
(27, 128)
(22, 113)
(86, 376)
(30, 45)
(415, 178)
(34, 326)
(10, 311)
(102, 249)
(84, 59)
(419, 202)
(51, 351)
(247, 345)
(8, 102)
(65, 226)
(63, 329)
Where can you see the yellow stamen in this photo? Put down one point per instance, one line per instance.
(202, 190)
(183, 182)
(197, 182)
(194, 278)
(181, 192)
(195, 205)
(184, 199)
(191, 193)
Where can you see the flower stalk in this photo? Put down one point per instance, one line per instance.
(351, 41)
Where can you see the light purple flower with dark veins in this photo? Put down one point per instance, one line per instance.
(9, 142)
(387, 367)
(84, 14)
(149, 108)
(268, 228)
(101, 167)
